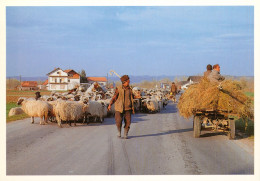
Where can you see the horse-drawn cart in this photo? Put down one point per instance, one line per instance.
(214, 120)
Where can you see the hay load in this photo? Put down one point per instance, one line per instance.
(226, 95)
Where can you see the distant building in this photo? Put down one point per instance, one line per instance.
(62, 80)
(101, 80)
(43, 86)
(182, 84)
(28, 85)
(194, 79)
(165, 86)
(191, 80)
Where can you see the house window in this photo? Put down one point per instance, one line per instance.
(62, 87)
(53, 86)
(68, 80)
(58, 72)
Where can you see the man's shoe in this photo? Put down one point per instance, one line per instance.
(125, 136)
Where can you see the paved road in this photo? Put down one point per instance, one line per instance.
(158, 144)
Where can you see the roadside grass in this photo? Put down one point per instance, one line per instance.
(247, 130)
(15, 117)
(246, 126)
(250, 94)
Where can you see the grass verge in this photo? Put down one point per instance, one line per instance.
(250, 94)
(16, 117)
(247, 130)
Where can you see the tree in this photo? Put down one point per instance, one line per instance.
(82, 73)
(83, 76)
(12, 83)
(166, 80)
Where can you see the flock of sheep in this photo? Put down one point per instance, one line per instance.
(85, 105)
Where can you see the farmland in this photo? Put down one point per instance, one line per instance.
(13, 95)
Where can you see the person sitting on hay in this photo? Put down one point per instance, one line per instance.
(215, 76)
(209, 70)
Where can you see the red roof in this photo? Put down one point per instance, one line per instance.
(45, 82)
(67, 71)
(97, 79)
(75, 76)
(29, 84)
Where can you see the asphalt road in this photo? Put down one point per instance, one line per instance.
(158, 144)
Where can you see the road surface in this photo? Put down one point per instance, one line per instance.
(158, 144)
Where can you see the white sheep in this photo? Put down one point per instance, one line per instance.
(97, 109)
(51, 113)
(112, 111)
(152, 105)
(35, 108)
(15, 111)
(69, 111)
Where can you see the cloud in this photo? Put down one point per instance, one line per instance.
(52, 16)
(230, 37)
(235, 36)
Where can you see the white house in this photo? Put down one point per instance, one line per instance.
(63, 80)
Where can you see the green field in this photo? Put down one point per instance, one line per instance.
(241, 126)
(250, 94)
(16, 117)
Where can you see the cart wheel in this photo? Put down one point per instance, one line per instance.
(232, 129)
(196, 127)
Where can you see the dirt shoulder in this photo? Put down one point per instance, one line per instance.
(246, 143)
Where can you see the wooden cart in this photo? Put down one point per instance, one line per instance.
(214, 120)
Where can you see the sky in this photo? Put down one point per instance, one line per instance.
(133, 40)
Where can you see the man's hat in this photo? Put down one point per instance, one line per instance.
(124, 78)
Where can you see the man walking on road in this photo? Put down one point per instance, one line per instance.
(173, 91)
(124, 105)
(215, 76)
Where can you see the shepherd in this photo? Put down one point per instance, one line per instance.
(124, 105)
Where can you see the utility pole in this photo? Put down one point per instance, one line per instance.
(107, 79)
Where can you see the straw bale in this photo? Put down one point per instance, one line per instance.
(226, 95)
